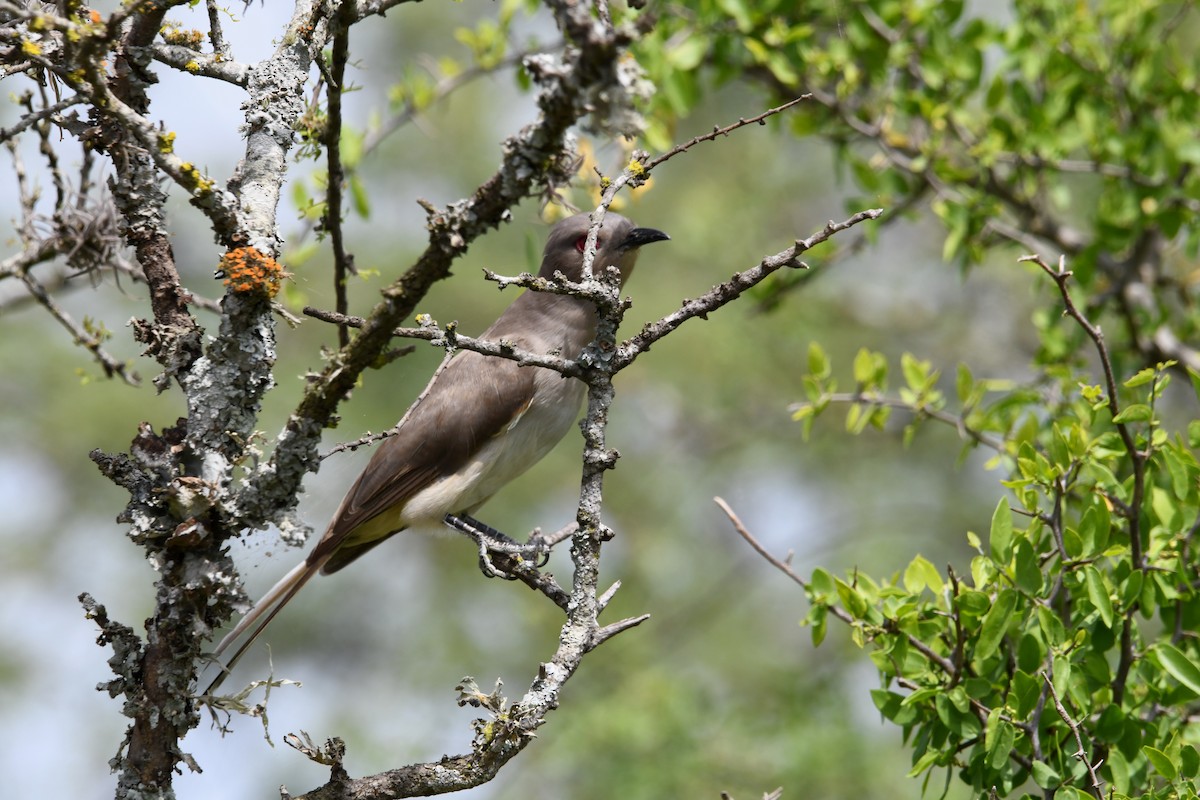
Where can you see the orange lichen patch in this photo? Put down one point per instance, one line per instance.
(247, 270)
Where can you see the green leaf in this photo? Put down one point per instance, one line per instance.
(959, 699)
(972, 602)
(688, 54)
(1062, 675)
(1189, 761)
(973, 541)
(1027, 573)
(1031, 653)
(818, 616)
(995, 623)
(358, 193)
(920, 696)
(997, 739)
(818, 361)
(1098, 594)
(1162, 763)
(963, 724)
(964, 383)
(740, 11)
(1179, 666)
(1131, 590)
(1180, 485)
(1120, 770)
(853, 602)
(864, 367)
(1045, 776)
(823, 584)
(1052, 628)
(351, 145)
(1002, 532)
(1094, 527)
(1138, 412)
(1024, 695)
(1141, 378)
(921, 573)
(887, 702)
(924, 762)
(916, 372)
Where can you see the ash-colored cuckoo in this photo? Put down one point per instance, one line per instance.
(481, 422)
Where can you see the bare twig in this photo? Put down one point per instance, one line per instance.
(85, 339)
(331, 221)
(1097, 786)
(215, 35)
(731, 289)
(761, 119)
(441, 338)
(34, 117)
(786, 568)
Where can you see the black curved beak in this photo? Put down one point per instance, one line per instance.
(641, 236)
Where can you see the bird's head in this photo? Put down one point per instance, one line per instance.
(617, 245)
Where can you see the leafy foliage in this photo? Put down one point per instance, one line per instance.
(1064, 660)
(1059, 600)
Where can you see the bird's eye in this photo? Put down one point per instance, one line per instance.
(580, 243)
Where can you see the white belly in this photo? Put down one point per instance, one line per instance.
(507, 455)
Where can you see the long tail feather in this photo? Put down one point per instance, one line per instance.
(270, 605)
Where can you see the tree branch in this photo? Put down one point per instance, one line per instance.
(731, 289)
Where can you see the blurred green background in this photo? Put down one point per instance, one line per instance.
(721, 690)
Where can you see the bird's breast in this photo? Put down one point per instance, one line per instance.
(531, 434)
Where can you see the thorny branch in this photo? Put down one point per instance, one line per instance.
(452, 340)
(627, 351)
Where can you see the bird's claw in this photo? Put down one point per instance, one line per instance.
(489, 540)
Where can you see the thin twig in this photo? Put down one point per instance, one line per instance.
(1061, 276)
(786, 568)
(34, 117)
(1137, 458)
(215, 36)
(111, 365)
(731, 289)
(1096, 789)
(954, 421)
(331, 221)
(441, 338)
(761, 119)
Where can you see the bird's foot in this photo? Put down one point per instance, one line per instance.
(489, 540)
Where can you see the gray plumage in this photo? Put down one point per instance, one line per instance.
(481, 422)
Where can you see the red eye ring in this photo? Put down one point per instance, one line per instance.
(581, 243)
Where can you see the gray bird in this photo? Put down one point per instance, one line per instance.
(480, 423)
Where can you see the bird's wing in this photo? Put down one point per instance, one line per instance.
(475, 398)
